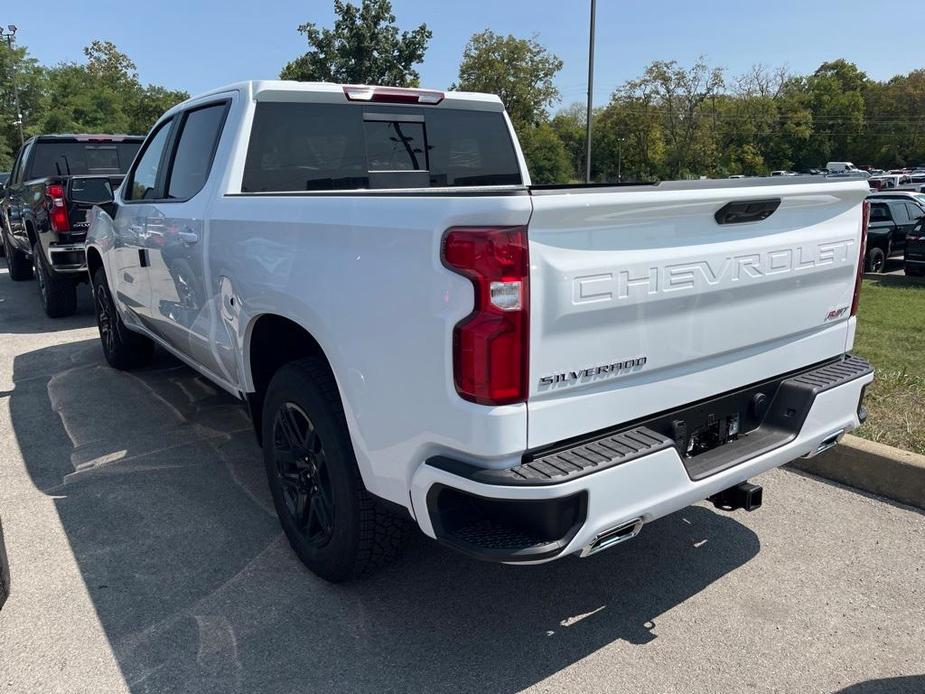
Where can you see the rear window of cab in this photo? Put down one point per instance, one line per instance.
(317, 147)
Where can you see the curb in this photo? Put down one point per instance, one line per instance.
(872, 467)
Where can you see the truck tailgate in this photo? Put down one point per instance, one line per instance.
(641, 301)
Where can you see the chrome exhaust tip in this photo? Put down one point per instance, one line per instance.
(612, 536)
(828, 442)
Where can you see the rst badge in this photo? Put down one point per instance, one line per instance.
(593, 372)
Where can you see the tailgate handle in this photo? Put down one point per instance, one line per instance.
(746, 211)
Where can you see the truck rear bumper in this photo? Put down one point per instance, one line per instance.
(539, 521)
(67, 258)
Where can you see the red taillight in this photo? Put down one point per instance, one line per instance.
(865, 218)
(392, 95)
(491, 344)
(57, 211)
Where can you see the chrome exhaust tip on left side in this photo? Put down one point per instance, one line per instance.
(612, 536)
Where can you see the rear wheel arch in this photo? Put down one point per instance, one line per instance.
(94, 261)
(30, 233)
(274, 341)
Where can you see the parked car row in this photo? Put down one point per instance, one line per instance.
(423, 337)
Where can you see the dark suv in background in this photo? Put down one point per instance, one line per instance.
(892, 217)
(914, 256)
(55, 181)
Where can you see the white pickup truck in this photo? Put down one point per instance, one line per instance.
(419, 333)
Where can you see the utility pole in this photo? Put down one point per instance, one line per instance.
(620, 141)
(590, 93)
(9, 34)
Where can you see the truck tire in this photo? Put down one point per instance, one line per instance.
(124, 350)
(18, 263)
(875, 260)
(336, 527)
(58, 294)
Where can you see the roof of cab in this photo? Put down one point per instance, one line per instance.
(286, 90)
(85, 137)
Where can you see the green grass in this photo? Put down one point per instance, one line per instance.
(891, 335)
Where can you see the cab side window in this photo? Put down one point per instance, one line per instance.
(195, 150)
(17, 175)
(143, 178)
(15, 171)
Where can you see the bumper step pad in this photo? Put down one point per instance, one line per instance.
(788, 400)
(612, 450)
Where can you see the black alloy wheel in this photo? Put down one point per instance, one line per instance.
(876, 260)
(334, 525)
(124, 350)
(40, 277)
(104, 316)
(302, 471)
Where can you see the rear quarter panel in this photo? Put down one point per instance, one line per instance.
(362, 273)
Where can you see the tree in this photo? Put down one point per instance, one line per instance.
(103, 95)
(364, 47)
(18, 65)
(570, 126)
(834, 95)
(150, 103)
(680, 94)
(547, 158)
(79, 102)
(106, 62)
(520, 71)
(894, 127)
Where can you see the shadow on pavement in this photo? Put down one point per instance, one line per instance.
(913, 684)
(895, 280)
(21, 308)
(4, 570)
(160, 489)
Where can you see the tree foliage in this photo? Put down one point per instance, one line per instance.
(520, 71)
(30, 80)
(102, 94)
(672, 121)
(364, 47)
(675, 121)
(546, 155)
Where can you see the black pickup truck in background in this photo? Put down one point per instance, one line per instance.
(891, 218)
(55, 181)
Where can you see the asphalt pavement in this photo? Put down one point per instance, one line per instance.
(145, 556)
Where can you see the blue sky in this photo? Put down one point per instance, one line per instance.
(200, 44)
